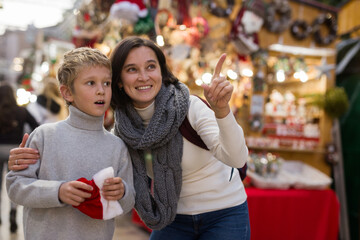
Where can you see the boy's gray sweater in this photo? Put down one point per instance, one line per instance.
(76, 147)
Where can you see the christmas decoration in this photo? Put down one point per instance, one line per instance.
(300, 29)
(259, 58)
(130, 10)
(330, 23)
(97, 206)
(88, 21)
(221, 12)
(324, 68)
(259, 82)
(266, 165)
(246, 26)
(104, 5)
(300, 65)
(256, 123)
(283, 64)
(336, 102)
(278, 16)
(144, 25)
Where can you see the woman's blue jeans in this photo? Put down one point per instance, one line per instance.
(226, 224)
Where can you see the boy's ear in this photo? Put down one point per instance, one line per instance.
(66, 93)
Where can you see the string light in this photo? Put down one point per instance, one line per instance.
(280, 75)
(160, 40)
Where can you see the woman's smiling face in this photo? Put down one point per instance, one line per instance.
(141, 76)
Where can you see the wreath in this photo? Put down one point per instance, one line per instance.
(164, 18)
(221, 12)
(282, 9)
(300, 29)
(330, 23)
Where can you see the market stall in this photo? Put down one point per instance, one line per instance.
(281, 62)
(282, 68)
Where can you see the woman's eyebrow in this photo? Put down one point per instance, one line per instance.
(133, 64)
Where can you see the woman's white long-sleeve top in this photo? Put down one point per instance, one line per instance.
(206, 186)
(205, 174)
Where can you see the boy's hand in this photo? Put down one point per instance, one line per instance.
(218, 92)
(113, 189)
(73, 192)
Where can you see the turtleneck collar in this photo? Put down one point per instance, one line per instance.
(146, 113)
(81, 120)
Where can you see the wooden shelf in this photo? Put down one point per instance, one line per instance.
(292, 81)
(284, 149)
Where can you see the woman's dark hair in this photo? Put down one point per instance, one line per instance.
(8, 108)
(118, 58)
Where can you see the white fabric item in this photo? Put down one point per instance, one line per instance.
(111, 208)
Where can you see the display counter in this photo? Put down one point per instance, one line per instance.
(293, 214)
(289, 214)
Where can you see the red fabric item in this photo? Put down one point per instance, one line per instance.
(91, 206)
(137, 220)
(294, 214)
(184, 17)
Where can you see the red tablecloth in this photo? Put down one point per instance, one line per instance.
(293, 214)
(289, 214)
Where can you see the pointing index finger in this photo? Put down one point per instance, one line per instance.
(219, 65)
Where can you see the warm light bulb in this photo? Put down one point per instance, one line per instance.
(232, 75)
(206, 78)
(198, 82)
(280, 75)
(247, 72)
(160, 40)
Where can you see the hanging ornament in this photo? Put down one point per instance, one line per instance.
(278, 16)
(329, 22)
(104, 5)
(144, 25)
(336, 102)
(130, 10)
(300, 69)
(256, 122)
(259, 83)
(201, 25)
(282, 68)
(88, 19)
(183, 13)
(198, 30)
(300, 29)
(26, 83)
(300, 65)
(164, 22)
(246, 26)
(283, 63)
(324, 68)
(259, 58)
(221, 12)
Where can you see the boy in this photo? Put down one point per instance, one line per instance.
(77, 147)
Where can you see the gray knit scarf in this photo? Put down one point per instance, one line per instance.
(163, 138)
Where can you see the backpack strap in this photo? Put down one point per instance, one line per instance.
(191, 135)
(188, 132)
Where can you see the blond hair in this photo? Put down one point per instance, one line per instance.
(74, 61)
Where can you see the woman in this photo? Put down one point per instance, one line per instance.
(191, 196)
(12, 122)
